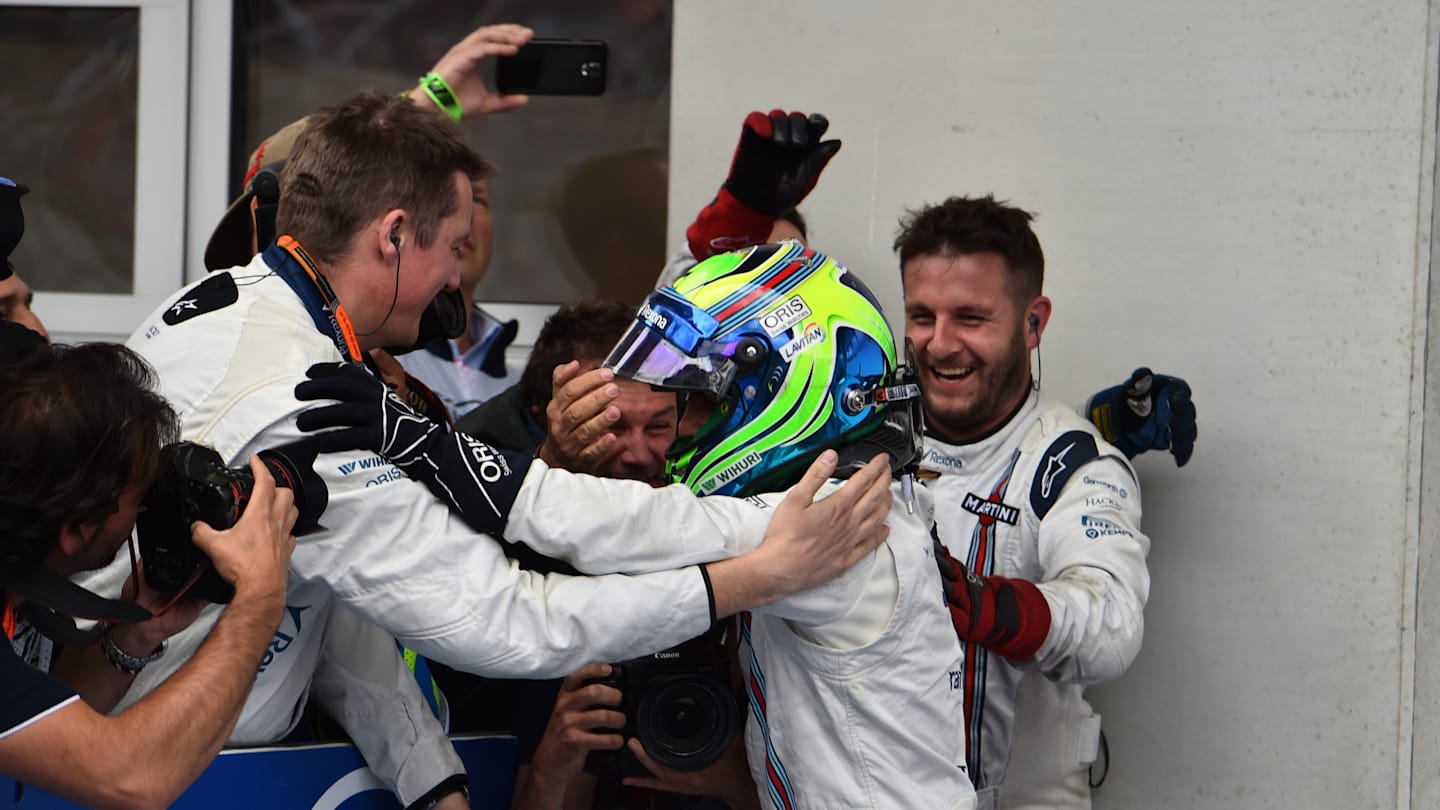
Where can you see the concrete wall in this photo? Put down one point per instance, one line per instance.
(1239, 193)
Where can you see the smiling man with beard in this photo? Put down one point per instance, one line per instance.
(1047, 582)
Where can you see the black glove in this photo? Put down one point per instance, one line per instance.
(479, 482)
(1009, 616)
(778, 160)
(1147, 412)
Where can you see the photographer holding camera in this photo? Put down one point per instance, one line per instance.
(85, 432)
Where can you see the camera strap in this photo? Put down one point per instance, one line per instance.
(51, 600)
(295, 266)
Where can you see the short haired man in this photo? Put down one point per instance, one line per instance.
(374, 209)
(458, 372)
(84, 435)
(377, 693)
(1040, 513)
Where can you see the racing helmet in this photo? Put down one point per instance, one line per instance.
(798, 356)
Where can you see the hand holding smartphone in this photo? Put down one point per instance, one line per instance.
(554, 67)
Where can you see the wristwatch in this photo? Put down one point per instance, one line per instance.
(125, 662)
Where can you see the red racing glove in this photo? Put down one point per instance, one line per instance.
(777, 162)
(1009, 616)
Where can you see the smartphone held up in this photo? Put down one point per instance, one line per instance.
(554, 67)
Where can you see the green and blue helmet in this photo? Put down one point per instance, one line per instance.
(798, 356)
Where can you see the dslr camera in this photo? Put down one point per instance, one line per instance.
(679, 704)
(195, 484)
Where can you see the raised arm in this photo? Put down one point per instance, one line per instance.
(459, 69)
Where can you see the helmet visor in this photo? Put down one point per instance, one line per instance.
(667, 348)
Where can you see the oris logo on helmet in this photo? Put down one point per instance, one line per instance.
(652, 317)
(813, 336)
(786, 315)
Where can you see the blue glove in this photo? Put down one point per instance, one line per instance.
(1146, 412)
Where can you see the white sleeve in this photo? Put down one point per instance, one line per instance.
(363, 682)
(397, 556)
(1095, 580)
(825, 603)
(602, 525)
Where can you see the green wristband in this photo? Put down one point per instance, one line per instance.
(439, 92)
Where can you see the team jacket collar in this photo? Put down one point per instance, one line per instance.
(290, 262)
(942, 456)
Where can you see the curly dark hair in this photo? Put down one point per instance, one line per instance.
(585, 330)
(963, 225)
(82, 424)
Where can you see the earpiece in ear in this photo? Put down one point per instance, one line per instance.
(1034, 322)
(395, 239)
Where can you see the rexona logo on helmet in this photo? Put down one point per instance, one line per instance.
(798, 356)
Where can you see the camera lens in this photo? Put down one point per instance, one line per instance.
(292, 467)
(588, 69)
(686, 721)
(682, 719)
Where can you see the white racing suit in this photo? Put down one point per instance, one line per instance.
(1043, 498)
(229, 356)
(854, 686)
